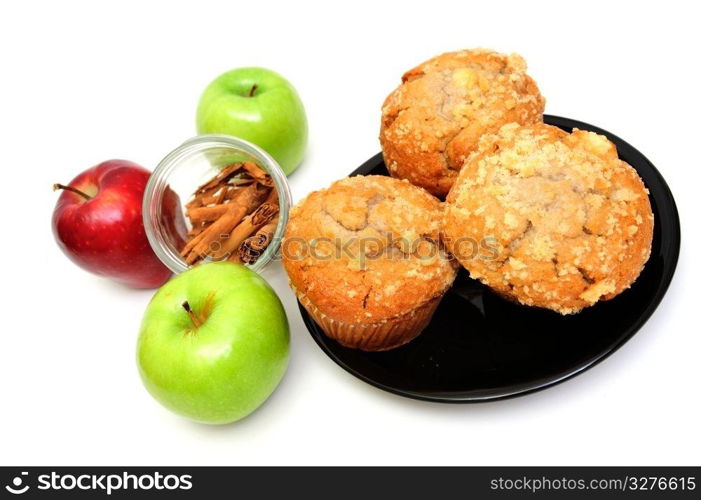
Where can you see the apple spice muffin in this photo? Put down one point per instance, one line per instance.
(568, 223)
(433, 120)
(364, 258)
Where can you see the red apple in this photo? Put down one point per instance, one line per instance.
(97, 223)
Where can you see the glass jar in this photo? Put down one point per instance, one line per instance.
(181, 172)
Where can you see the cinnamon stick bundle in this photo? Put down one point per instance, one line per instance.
(227, 210)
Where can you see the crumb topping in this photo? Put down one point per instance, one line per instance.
(571, 223)
(367, 248)
(434, 119)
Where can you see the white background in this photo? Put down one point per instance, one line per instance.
(86, 82)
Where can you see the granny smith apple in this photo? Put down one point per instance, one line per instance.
(214, 343)
(260, 106)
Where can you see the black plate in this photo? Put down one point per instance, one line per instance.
(479, 347)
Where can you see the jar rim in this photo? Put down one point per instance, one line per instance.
(158, 182)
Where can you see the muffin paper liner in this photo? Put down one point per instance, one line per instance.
(379, 336)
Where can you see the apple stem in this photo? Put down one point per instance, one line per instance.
(72, 190)
(253, 90)
(194, 317)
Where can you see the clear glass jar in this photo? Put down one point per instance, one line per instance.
(181, 172)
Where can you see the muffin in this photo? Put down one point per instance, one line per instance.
(550, 219)
(433, 120)
(364, 258)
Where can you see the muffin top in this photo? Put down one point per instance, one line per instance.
(435, 118)
(367, 249)
(559, 220)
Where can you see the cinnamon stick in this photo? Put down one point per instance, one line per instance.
(262, 238)
(273, 198)
(211, 192)
(240, 181)
(206, 214)
(260, 217)
(220, 178)
(219, 197)
(230, 193)
(253, 246)
(246, 254)
(209, 200)
(257, 173)
(197, 229)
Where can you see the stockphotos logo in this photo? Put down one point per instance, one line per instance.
(17, 486)
(103, 483)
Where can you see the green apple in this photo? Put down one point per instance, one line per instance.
(260, 106)
(214, 343)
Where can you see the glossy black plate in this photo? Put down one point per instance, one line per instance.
(479, 347)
